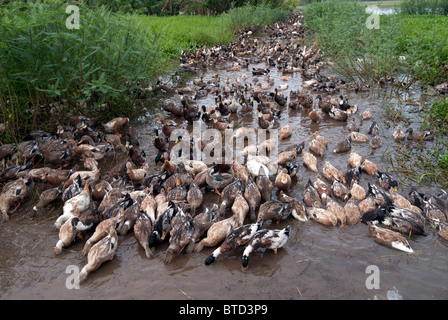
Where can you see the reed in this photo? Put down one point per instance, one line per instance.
(48, 70)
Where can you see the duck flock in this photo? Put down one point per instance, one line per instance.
(107, 202)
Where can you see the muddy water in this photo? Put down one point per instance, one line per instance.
(317, 262)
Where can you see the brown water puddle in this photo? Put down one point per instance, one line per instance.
(317, 262)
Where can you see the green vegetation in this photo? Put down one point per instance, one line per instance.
(424, 7)
(404, 45)
(101, 69)
(48, 70)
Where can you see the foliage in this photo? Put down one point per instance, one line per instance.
(406, 46)
(424, 7)
(96, 68)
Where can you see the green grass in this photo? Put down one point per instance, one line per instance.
(98, 70)
(373, 55)
(180, 33)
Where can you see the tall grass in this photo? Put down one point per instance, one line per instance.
(94, 70)
(405, 46)
(254, 17)
(424, 7)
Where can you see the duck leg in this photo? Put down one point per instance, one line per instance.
(17, 207)
(217, 192)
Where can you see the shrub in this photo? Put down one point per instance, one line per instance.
(96, 69)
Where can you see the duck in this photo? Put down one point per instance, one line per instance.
(194, 197)
(276, 210)
(73, 189)
(368, 204)
(369, 167)
(389, 238)
(162, 224)
(316, 115)
(318, 144)
(218, 180)
(357, 137)
(280, 99)
(366, 114)
(289, 155)
(103, 228)
(253, 196)
(340, 191)
(177, 194)
(399, 219)
(58, 151)
(182, 229)
(299, 208)
(15, 172)
(330, 172)
(398, 134)
(47, 197)
(283, 180)
(168, 126)
(285, 132)
(171, 107)
(160, 143)
(236, 238)
(322, 187)
(138, 158)
(343, 146)
(194, 166)
(309, 160)
(386, 180)
(235, 105)
(75, 226)
(142, 231)
(229, 194)
(217, 233)
(14, 193)
(338, 114)
(352, 213)
(137, 175)
(376, 142)
(75, 206)
(104, 250)
(374, 129)
(256, 168)
(265, 186)
(357, 192)
(353, 126)
(149, 206)
(265, 239)
(336, 209)
(354, 159)
(240, 171)
(201, 223)
(311, 196)
(423, 135)
(322, 216)
(114, 125)
(351, 176)
(67, 234)
(263, 123)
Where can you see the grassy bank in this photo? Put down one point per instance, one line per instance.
(410, 45)
(100, 69)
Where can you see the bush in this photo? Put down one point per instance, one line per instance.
(424, 7)
(94, 70)
(376, 55)
(254, 17)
